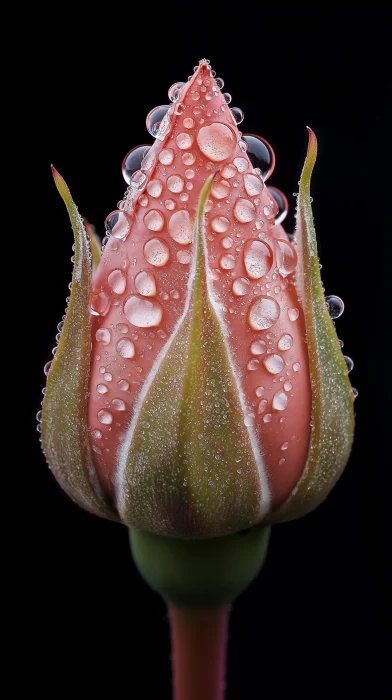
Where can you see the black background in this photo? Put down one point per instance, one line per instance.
(315, 622)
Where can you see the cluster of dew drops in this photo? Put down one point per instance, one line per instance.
(140, 160)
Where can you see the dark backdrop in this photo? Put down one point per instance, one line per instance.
(83, 619)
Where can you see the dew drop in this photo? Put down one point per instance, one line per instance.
(253, 185)
(117, 282)
(96, 434)
(259, 391)
(274, 364)
(154, 188)
(262, 406)
(260, 154)
(170, 204)
(122, 328)
(287, 386)
(184, 141)
(244, 211)
(184, 197)
(154, 120)
(188, 158)
(189, 174)
(220, 224)
(180, 227)
(296, 366)
(138, 180)
(349, 362)
(257, 258)
(253, 364)
(102, 389)
(123, 384)
(108, 377)
(238, 115)
(355, 393)
(280, 401)
(118, 405)
(117, 225)
(175, 183)
(220, 190)
(216, 141)
(227, 242)
(258, 347)
(286, 257)
(143, 200)
(284, 446)
(227, 97)
(335, 306)
(293, 314)
(285, 342)
(240, 286)
(174, 91)
(133, 161)
(281, 203)
(241, 164)
(105, 417)
(156, 251)
(166, 156)
(145, 284)
(249, 419)
(263, 313)
(154, 220)
(99, 302)
(125, 348)
(184, 256)
(142, 312)
(227, 262)
(229, 171)
(103, 335)
(189, 123)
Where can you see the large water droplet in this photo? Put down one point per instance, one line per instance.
(227, 262)
(285, 342)
(260, 154)
(133, 160)
(105, 417)
(175, 183)
(174, 91)
(263, 313)
(103, 335)
(155, 118)
(145, 284)
(349, 362)
(258, 258)
(280, 401)
(117, 225)
(244, 211)
(166, 156)
(118, 405)
(117, 281)
(99, 302)
(125, 348)
(258, 347)
(143, 313)
(274, 364)
(181, 228)
(286, 257)
(154, 188)
(216, 141)
(240, 286)
(335, 306)
(184, 141)
(253, 185)
(281, 202)
(220, 224)
(238, 115)
(156, 251)
(154, 220)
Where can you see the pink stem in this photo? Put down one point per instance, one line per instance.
(199, 644)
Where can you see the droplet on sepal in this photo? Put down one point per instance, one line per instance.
(335, 306)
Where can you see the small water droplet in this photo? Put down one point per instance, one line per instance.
(154, 220)
(355, 393)
(123, 384)
(253, 364)
(349, 362)
(99, 302)
(170, 204)
(280, 401)
(253, 185)
(244, 211)
(105, 417)
(335, 306)
(125, 348)
(154, 188)
(241, 164)
(188, 158)
(184, 141)
(108, 377)
(287, 386)
(145, 284)
(227, 262)
(227, 242)
(281, 202)
(286, 257)
(258, 347)
(189, 174)
(102, 389)
(293, 314)
(285, 342)
(117, 281)
(154, 120)
(274, 363)
(216, 141)
(103, 335)
(258, 258)
(118, 225)
(174, 91)
(189, 123)
(263, 313)
(249, 419)
(259, 391)
(267, 418)
(181, 228)
(133, 161)
(260, 154)
(227, 97)
(175, 183)
(39, 416)
(241, 286)
(284, 446)
(96, 434)
(184, 256)
(142, 312)
(118, 405)
(220, 224)
(296, 366)
(238, 115)
(220, 190)
(166, 156)
(282, 461)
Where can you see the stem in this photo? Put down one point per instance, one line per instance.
(199, 644)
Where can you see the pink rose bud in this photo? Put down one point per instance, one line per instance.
(199, 387)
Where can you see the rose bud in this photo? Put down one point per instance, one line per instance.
(198, 387)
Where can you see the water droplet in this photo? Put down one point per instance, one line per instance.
(184, 141)
(39, 416)
(184, 197)
(99, 302)
(220, 190)
(118, 405)
(189, 174)
(253, 364)
(154, 188)
(227, 262)
(122, 328)
(349, 362)
(229, 171)
(143, 313)
(258, 347)
(174, 91)
(220, 224)
(241, 286)
(293, 314)
(285, 342)
(117, 281)
(108, 377)
(96, 434)
(263, 313)
(105, 417)
(284, 446)
(102, 389)
(249, 419)
(259, 391)
(296, 366)
(244, 211)
(335, 306)
(145, 284)
(118, 225)
(257, 258)
(103, 335)
(179, 108)
(227, 97)
(156, 251)
(175, 294)
(355, 393)
(170, 204)
(143, 200)
(260, 154)
(286, 257)
(282, 460)
(189, 123)
(188, 158)
(166, 156)
(253, 185)
(238, 115)
(227, 242)
(184, 256)
(280, 401)
(267, 418)
(216, 141)
(123, 384)
(180, 227)
(154, 120)
(133, 160)
(175, 183)
(154, 220)
(287, 386)
(274, 364)
(125, 348)
(241, 164)
(281, 202)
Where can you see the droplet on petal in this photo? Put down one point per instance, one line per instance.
(240, 286)
(285, 342)
(105, 417)
(154, 188)
(258, 258)
(220, 224)
(117, 225)
(123, 384)
(184, 141)
(156, 251)
(143, 313)
(166, 156)
(184, 256)
(99, 302)
(281, 202)
(258, 347)
(125, 348)
(102, 389)
(253, 185)
(263, 313)
(180, 227)
(154, 220)
(293, 314)
(280, 401)
(220, 190)
(238, 115)
(145, 284)
(133, 160)
(216, 141)
(274, 363)
(244, 211)
(103, 335)
(175, 183)
(227, 262)
(154, 120)
(286, 257)
(118, 405)
(117, 282)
